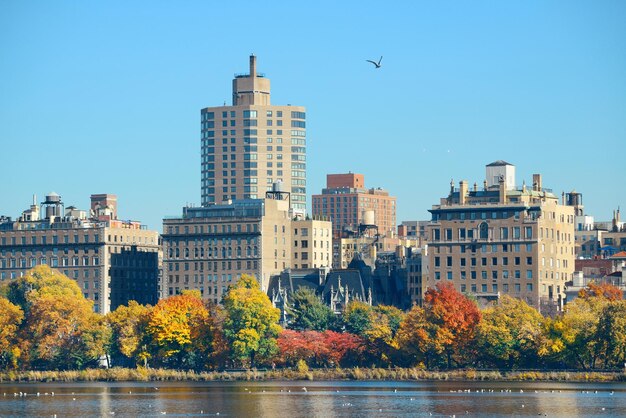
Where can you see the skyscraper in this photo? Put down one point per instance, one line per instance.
(250, 145)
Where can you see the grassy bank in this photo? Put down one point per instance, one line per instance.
(146, 375)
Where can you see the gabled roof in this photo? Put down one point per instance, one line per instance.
(498, 163)
(351, 279)
(621, 254)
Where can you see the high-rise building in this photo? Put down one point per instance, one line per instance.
(348, 204)
(112, 260)
(252, 144)
(503, 239)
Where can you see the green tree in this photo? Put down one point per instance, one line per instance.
(309, 313)
(251, 325)
(11, 317)
(129, 326)
(510, 333)
(611, 333)
(377, 326)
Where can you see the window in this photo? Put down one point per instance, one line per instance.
(483, 230)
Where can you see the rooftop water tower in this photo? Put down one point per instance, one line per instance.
(52, 206)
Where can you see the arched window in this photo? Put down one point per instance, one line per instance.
(483, 230)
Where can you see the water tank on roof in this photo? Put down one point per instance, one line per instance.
(278, 187)
(52, 198)
(368, 217)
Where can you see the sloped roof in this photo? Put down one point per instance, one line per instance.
(349, 278)
(621, 254)
(498, 163)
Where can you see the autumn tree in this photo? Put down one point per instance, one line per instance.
(604, 290)
(343, 348)
(571, 338)
(60, 329)
(309, 313)
(11, 317)
(179, 328)
(416, 339)
(251, 325)
(129, 325)
(445, 326)
(302, 345)
(377, 326)
(510, 333)
(611, 333)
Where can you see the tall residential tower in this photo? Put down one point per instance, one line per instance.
(250, 145)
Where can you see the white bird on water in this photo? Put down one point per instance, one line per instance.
(304, 389)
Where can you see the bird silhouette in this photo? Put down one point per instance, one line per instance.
(376, 64)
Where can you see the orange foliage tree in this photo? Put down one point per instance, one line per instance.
(444, 327)
(605, 290)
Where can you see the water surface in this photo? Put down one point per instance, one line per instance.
(313, 399)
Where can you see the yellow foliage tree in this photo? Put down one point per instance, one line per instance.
(510, 333)
(11, 317)
(60, 329)
(129, 326)
(180, 330)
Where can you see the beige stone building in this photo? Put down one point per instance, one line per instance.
(209, 248)
(349, 204)
(113, 261)
(252, 144)
(502, 239)
(312, 243)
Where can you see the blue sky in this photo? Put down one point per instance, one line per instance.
(105, 97)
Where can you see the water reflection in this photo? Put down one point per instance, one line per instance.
(320, 399)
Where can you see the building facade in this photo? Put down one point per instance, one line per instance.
(503, 240)
(209, 248)
(113, 261)
(312, 243)
(252, 144)
(348, 204)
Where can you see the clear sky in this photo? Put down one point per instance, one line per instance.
(105, 97)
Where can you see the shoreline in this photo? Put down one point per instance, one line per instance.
(356, 374)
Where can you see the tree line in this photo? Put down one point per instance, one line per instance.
(47, 324)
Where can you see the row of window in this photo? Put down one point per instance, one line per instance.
(43, 240)
(31, 262)
(495, 275)
(483, 261)
(494, 288)
(174, 253)
(212, 265)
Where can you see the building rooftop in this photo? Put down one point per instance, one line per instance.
(498, 163)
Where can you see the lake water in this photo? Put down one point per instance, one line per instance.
(314, 399)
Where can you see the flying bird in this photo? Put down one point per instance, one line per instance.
(376, 64)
